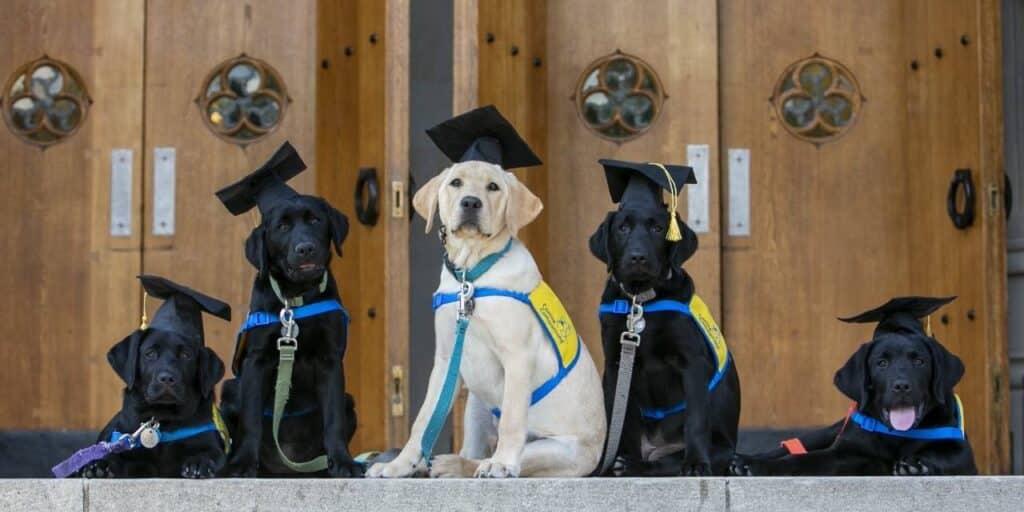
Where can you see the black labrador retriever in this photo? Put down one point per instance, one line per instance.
(292, 248)
(170, 378)
(674, 361)
(906, 420)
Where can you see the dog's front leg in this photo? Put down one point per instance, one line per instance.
(514, 351)
(696, 375)
(245, 454)
(331, 393)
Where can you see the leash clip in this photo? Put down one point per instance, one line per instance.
(630, 338)
(635, 322)
(288, 341)
(148, 434)
(466, 303)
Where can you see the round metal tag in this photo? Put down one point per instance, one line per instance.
(149, 437)
(639, 325)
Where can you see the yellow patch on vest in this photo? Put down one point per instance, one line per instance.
(222, 428)
(960, 413)
(556, 321)
(702, 315)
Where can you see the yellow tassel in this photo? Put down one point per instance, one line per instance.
(928, 326)
(673, 234)
(145, 320)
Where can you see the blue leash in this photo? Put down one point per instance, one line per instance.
(447, 396)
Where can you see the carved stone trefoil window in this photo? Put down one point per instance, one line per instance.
(44, 102)
(817, 99)
(619, 97)
(243, 100)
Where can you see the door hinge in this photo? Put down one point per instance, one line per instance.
(397, 391)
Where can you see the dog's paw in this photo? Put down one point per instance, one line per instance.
(242, 467)
(696, 467)
(741, 466)
(399, 468)
(344, 467)
(97, 469)
(490, 468)
(452, 466)
(912, 467)
(199, 466)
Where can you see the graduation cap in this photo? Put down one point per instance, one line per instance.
(266, 185)
(629, 181)
(901, 314)
(483, 135)
(181, 312)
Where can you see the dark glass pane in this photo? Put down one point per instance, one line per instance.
(47, 82)
(616, 131)
(816, 78)
(798, 111)
(591, 82)
(225, 113)
(620, 75)
(18, 87)
(836, 110)
(64, 115)
(263, 111)
(637, 111)
(26, 114)
(598, 109)
(244, 79)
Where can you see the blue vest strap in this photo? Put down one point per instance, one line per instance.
(870, 424)
(442, 299)
(170, 436)
(263, 318)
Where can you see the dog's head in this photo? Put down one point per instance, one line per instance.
(477, 200)
(900, 378)
(168, 371)
(293, 241)
(631, 242)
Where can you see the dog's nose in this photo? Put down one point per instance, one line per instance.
(166, 379)
(305, 249)
(472, 202)
(638, 258)
(901, 386)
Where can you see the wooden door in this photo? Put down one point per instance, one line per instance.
(70, 288)
(849, 208)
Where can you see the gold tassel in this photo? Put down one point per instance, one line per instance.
(145, 320)
(673, 234)
(928, 326)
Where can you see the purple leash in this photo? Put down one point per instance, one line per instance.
(83, 457)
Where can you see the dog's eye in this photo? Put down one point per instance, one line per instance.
(150, 354)
(185, 353)
(883, 363)
(918, 361)
(623, 228)
(493, 187)
(657, 228)
(284, 226)
(314, 220)
(456, 183)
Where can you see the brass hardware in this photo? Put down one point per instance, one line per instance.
(993, 200)
(397, 391)
(398, 202)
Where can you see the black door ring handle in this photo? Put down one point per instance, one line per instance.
(367, 210)
(962, 219)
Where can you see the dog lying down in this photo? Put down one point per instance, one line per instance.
(535, 406)
(169, 377)
(906, 420)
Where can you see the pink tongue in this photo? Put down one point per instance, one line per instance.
(903, 418)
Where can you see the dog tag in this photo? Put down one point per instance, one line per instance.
(639, 325)
(149, 437)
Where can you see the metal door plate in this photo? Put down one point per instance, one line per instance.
(739, 192)
(697, 156)
(163, 191)
(121, 192)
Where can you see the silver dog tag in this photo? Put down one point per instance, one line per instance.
(639, 325)
(149, 437)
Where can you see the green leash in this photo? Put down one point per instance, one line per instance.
(287, 345)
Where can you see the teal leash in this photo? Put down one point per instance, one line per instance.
(446, 398)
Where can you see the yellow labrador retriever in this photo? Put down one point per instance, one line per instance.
(507, 356)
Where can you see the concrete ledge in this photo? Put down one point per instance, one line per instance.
(989, 494)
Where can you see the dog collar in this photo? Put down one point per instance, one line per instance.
(480, 269)
(955, 433)
(294, 302)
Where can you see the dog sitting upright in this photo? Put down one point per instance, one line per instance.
(681, 413)
(291, 249)
(534, 404)
(169, 377)
(905, 420)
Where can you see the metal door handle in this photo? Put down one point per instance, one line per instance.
(367, 210)
(962, 219)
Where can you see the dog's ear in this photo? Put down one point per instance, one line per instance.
(523, 205)
(124, 358)
(600, 241)
(256, 250)
(211, 371)
(852, 378)
(947, 370)
(337, 224)
(684, 248)
(426, 198)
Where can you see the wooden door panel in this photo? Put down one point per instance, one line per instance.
(828, 223)
(686, 61)
(70, 288)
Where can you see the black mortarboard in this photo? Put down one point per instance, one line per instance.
(266, 185)
(182, 309)
(901, 314)
(644, 182)
(483, 134)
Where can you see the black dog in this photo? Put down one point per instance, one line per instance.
(169, 377)
(907, 420)
(674, 362)
(291, 248)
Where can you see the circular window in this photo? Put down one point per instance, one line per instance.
(817, 99)
(45, 102)
(243, 99)
(619, 97)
